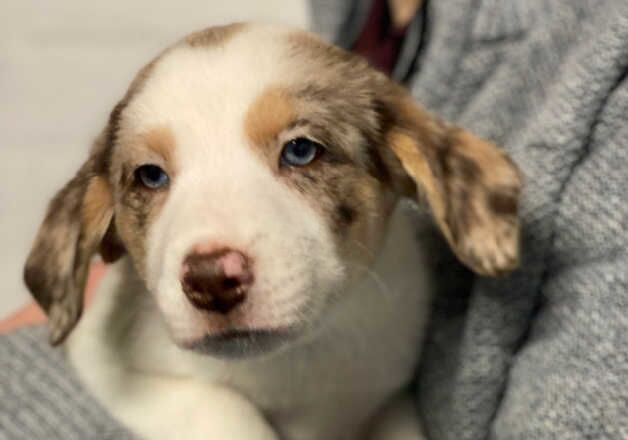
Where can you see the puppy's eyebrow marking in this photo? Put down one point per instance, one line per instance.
(161, 140)
(272, 112)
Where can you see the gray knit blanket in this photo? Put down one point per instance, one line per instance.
(40, 396)
(540, 354)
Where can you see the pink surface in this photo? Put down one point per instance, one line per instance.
(32, 314)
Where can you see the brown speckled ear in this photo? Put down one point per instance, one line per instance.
(77, 220)
(471, 186)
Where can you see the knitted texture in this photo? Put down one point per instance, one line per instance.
(40, 396)
(542, 353)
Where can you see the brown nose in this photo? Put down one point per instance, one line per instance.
(216, 281)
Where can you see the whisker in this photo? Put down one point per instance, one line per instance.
(381, 285)
(369, 253)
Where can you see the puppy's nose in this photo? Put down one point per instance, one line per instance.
(216, 281)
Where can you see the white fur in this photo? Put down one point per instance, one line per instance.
(360, 339)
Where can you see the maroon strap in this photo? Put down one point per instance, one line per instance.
(379, 42)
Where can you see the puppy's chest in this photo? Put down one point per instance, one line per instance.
(309, 376)
(323, 389)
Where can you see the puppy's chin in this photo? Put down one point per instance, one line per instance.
(242, 344)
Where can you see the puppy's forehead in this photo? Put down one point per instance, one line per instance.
(207, 86)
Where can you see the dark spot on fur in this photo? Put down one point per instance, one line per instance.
(376, 166)
(346, 214)
(139, 202)
(466, 168)
(141, 216)
(439, 158)
(38, 282)
(111, 248)
(502, 203)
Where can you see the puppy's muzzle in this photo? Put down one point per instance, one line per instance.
(218, 280)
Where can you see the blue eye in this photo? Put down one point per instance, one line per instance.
(300, 152)
(151, 176)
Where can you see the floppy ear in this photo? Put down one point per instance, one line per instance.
(77, 220)
(471, 186)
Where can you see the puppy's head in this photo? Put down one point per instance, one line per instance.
(248, 172)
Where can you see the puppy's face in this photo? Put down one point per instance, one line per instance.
(249, 173)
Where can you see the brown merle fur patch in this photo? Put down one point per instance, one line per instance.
(336, 90)
(136, 210)
(354, 203)
(472, 189)
(214, 36)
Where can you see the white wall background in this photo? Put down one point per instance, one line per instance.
(63, 65)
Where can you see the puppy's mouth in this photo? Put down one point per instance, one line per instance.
(241, 343)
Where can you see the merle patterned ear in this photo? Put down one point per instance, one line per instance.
(76, 222)
(471, 185)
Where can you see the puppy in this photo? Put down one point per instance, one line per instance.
(268, 283)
